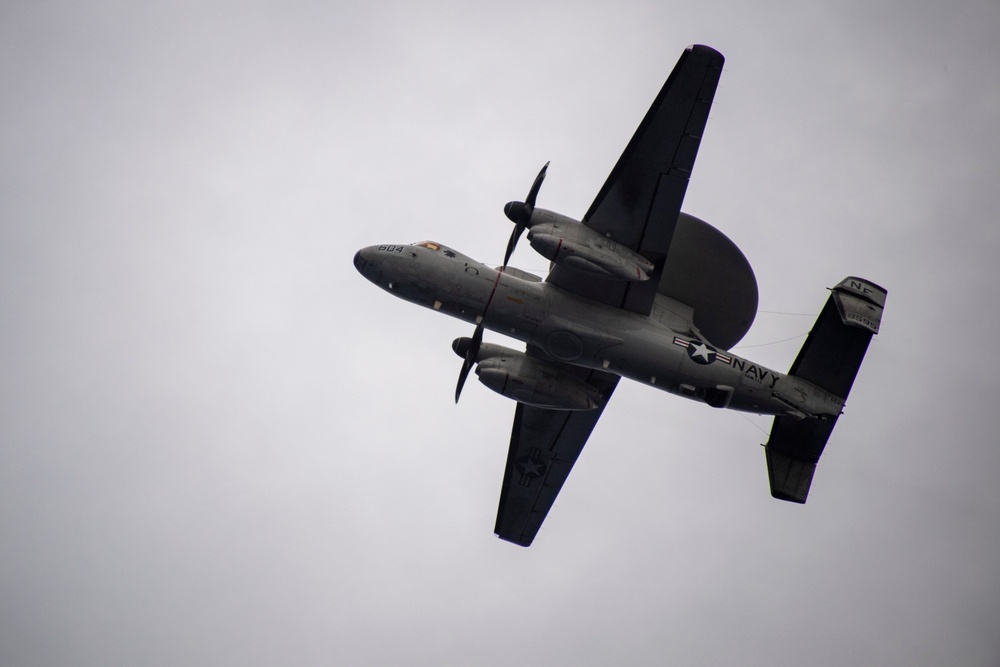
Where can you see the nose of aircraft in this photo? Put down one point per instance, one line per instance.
(363, 261)
(368, 263)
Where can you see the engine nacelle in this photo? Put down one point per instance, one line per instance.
(527, 380)
(571, 243)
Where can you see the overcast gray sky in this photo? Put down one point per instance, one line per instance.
(220, 444)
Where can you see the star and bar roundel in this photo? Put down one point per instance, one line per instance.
(701, 352)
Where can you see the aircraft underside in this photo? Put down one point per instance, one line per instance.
(637, 289)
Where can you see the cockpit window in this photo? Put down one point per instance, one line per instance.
(437, 247)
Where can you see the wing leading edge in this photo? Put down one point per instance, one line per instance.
(544, 445)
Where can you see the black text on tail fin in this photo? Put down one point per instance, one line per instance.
(829, 359)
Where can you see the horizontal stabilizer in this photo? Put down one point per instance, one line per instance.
(829, 359)
(790, 477)
(832, 354)
(792, 451)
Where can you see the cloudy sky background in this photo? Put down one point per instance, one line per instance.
(219, 444)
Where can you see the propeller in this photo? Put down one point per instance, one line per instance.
(519, 212)
(468, 348)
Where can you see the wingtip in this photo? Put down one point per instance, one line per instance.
(519, 541)
(705, 50)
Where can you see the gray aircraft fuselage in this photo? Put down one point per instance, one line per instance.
(659, 350)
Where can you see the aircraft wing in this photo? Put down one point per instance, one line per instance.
(544, 445)
(639, 203)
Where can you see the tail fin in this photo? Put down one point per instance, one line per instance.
(829, 360)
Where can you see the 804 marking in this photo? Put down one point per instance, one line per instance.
(391, 248)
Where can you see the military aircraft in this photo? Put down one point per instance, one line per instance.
(636, 289)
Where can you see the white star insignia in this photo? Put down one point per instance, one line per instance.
(701, 350)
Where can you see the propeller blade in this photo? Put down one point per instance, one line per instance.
(536, 186)
(466, 367)
(520, 213)
(470, 357)
(518, 229)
